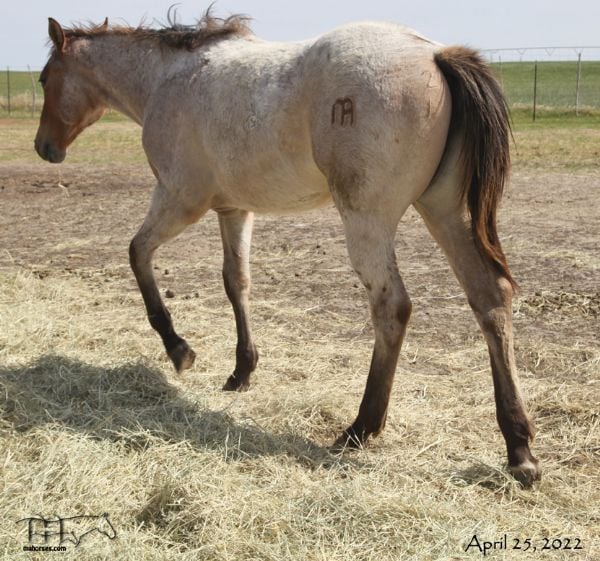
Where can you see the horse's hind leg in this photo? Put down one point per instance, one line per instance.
(371, 247)
(165, 220)
(236, 233)
(490, 297)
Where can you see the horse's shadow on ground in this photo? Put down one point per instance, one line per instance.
(135, 405)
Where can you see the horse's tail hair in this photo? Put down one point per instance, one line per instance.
(480, 114)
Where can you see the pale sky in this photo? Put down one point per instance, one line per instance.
(477, 23)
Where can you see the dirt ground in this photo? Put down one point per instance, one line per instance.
(64, 237)
(78, 220)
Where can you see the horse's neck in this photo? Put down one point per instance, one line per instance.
(125, 71)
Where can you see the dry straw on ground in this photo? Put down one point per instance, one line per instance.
(94, 420)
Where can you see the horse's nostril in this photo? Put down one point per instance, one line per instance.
(43, 149)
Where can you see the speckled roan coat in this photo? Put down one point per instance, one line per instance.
(371, 115)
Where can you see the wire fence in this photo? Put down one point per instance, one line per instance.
(540, 81)
(21, 94)
(549, 80)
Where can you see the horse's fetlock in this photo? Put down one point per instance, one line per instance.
(247, 357)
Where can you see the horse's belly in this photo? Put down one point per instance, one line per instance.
(284, 188)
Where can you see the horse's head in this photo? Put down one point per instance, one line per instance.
(71, 100)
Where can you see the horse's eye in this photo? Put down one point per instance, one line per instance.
(42, 80)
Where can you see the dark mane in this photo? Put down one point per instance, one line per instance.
(173, 35)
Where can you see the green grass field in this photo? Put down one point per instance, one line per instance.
(567, 143)
(21, 93)
(556, 84)
(20, 82)
(556, 91)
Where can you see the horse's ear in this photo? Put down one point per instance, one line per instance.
(104, 26)
(56, 34)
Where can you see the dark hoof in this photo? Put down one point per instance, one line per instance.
(237, 384)
(527, 472)
(350, 439)
(182, 356)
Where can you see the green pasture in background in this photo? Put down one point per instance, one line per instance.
(556, 92)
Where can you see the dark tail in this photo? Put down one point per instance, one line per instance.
(480, 111)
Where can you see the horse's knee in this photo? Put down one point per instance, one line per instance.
(391, 312)
(133, 253)
(141, 249)
(392, 301)
(404, 309)
(137, 253)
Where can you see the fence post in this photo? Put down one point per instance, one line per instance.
(534, 90)
(32, 90)
(578, 82)
(8, 88)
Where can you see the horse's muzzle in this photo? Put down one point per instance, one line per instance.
(49, 153)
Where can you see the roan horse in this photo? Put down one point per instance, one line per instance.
(371, 115)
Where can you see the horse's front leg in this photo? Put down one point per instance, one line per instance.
(165, 220)
(236, 233)
(371, 247)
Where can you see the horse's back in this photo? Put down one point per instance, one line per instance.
(277, 123)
